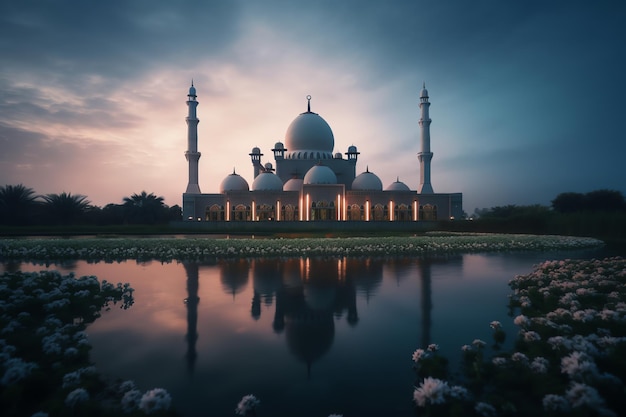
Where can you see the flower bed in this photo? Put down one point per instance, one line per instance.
(569, 357)
(170, 249)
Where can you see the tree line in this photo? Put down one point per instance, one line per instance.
(21, 206)
(599, 213)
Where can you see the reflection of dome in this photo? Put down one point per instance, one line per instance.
(234, 182)
(320, 297)
(320, 174)
(397, 186)
(294, 184)
(310, 336)
(367, 181)
(267, 181)
(234, 276)
(309, 137)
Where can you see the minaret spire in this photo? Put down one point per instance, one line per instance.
(308, 108)
(192, 155)
(425, 155)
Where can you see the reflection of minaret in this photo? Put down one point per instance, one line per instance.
(427, 301)
(192, 300)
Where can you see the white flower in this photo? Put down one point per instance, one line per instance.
(79, 395)
(520, 358)
(131, 400)
(126, 386)
(247, 404)
(499, 361)
(478, 343)
(521, 321)
(552, 402)
(485, 410)
(458, 392)
(419, 354)
(539, 365)
(433, 347)
(578, 365)
(155, 400)
(431, 390)
(16, 370)
(582, 394)
(71, 379)
(531, 336)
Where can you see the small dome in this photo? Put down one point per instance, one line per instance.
(351, 149)
(278, 146)
(397, 186)
(256, 151)
(234, 182)
(268, 166)
(338, 155)
(320, 174)
(294, 184)
(424, 92)
(367, 181)
(267, 181)
(192, 90)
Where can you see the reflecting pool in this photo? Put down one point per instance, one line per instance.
(308, 337)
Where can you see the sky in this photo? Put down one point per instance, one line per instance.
(527, 97)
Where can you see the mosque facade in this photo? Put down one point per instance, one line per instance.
(309, 182)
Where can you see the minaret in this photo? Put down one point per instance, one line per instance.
(192, 153)
(425, 155)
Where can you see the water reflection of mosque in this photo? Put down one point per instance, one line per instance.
(308, 295)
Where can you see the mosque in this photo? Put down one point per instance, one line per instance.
(309, 182)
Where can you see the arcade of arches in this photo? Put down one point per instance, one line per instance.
(320, 210)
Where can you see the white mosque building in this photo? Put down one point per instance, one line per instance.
(310, 182)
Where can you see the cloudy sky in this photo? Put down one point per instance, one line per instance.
(527, 96)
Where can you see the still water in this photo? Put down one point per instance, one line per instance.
(308, 337)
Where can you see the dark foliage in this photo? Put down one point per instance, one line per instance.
(18, 205)
(64, 208)
(599, 200)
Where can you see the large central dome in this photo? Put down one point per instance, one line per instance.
(309, 137)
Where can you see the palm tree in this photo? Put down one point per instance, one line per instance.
(17, 205)
(144, 208)
(65, 208)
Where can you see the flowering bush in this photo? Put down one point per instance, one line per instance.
(569, 357)
(44, 350)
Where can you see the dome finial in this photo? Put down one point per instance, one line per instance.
(424, 84)
(234, 171)
(308, 109)
(192, 82)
